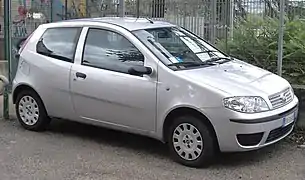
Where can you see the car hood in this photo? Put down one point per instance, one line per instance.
(237, 78)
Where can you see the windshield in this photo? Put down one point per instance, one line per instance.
(179, 46)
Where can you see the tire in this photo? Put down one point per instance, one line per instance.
(31, 112)
(186, 142)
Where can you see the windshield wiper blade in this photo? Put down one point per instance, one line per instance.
(190, 64)
(217, 59)
(206, 51)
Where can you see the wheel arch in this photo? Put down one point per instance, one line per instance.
(180, 111)
(43, 119)
(20, 88)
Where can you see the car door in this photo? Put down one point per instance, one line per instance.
(51, 66)
(103, 90)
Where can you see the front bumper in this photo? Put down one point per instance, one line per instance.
(244, 132)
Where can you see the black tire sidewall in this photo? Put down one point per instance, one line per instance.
(43, 118)
(207, 155)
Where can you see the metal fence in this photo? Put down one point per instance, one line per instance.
(237, 26)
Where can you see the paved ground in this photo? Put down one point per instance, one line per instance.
(69, 150)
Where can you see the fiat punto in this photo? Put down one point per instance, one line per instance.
(152, 78)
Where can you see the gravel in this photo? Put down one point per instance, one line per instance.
(69, 150)
(298, 137)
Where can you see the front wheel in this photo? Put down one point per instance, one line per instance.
(191, 142)
(31, 112)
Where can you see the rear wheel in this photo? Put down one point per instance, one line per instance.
(191, 142)
(31, 112)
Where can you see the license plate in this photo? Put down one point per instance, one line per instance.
(289, 119)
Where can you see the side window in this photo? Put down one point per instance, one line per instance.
(109, 50)
(59, 43)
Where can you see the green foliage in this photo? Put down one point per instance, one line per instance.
(256, 41)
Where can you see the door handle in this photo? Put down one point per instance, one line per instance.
(81, 75)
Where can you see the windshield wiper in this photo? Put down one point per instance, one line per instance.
(206, 51)
(191, 64)
(217, 60)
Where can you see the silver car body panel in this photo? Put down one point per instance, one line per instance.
(131, 104)
(141, 104)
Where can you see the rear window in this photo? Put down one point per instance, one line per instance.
(59, 43)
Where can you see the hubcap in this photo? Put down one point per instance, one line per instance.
(28, 110)
(187, 141)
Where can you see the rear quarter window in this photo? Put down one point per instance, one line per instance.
(59, 43)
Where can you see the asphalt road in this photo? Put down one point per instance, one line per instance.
(68, 150)
(73, 151)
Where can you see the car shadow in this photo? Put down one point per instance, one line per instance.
(108, 137)
(153, 147)
(246, 158)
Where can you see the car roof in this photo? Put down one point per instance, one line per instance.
(129, 23)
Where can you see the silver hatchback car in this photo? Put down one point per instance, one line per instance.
(151, 78)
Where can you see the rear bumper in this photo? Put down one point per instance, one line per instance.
(243, 134)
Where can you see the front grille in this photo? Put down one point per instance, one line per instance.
(249, 139)
(281, 99)
(279, 132)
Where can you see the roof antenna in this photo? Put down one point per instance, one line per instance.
(151, 21)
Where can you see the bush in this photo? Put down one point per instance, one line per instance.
(256, 41)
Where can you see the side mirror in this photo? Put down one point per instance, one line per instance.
(139, 70)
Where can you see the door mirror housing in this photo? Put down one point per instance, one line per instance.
(139, 70)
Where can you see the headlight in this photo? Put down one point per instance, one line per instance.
(292, 91)
(246, 104)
